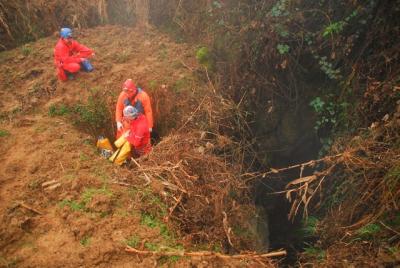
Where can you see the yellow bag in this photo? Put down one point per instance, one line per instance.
(104, 143)
(121, 154)
(120, 141)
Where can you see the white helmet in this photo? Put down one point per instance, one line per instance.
(131, 112)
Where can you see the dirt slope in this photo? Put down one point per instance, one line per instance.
(88, 219)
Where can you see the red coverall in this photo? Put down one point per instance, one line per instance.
(139, 136)
(68, 55)
(140, 96)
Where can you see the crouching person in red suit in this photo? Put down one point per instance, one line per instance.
(70, 57)
(138, 134)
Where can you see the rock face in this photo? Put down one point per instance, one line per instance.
(287, 135)
(258, 228)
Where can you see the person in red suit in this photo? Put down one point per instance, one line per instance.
(137, 133)
(136, 97)
(70, 57)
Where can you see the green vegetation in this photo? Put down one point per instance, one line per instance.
(153, 85)
(85, 241)
(182, 84)
(153, 222)
(368, 231)
(204, 57)
(309, 226)
(94, 115)
(242, 232)
(283, 48)
(83, 157)
(332, 118)
(315, 252)
(85, 199)
(394, 250)
(58, 110)
(88, 194)
(26, 50)
(392, 179)
(133, 241)
(158, 207)
(73, 205)
(4, 133)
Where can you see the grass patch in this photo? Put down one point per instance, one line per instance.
(4, 133)
(151, 246)
(182, 84)
(158, 207)
(241, 232)
(93, 116)
(58, 110)
(309, 227)
(83, 157)
(153, 222)
(168, 259)
(153, 85)
(85, 199)
(88, 194)
(368, 231)
(392, 178)
(394, 250)
(26, 50)
(85, 241)
(132, 241)
(73, 205)
(315, 252)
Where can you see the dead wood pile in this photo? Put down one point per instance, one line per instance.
(206, 197)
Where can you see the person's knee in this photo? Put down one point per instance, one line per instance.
(61, 74)
(72, 67)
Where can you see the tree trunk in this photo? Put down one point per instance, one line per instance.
(142, 13)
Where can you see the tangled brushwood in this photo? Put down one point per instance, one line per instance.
(357, 191)
(205, 195)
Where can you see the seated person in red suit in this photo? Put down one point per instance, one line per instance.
(70, 57)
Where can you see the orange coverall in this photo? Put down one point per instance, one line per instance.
(141, 101)
(68, 56)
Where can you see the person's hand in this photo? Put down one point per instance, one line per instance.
(150, 129)
(119, 125)
(83, 59)
(126, 134)
(93, 54)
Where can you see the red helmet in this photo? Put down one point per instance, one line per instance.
(129, 86)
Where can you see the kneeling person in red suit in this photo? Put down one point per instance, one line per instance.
(138, 134)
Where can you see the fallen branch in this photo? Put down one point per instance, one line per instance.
(192, 114)
(227, 229)
(250, 255)
(21, 204)
(176, 204)
(121, 183)
(302, 165)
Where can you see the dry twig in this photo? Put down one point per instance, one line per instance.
(250, 255)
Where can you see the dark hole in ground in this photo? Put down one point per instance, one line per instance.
(284, 233)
